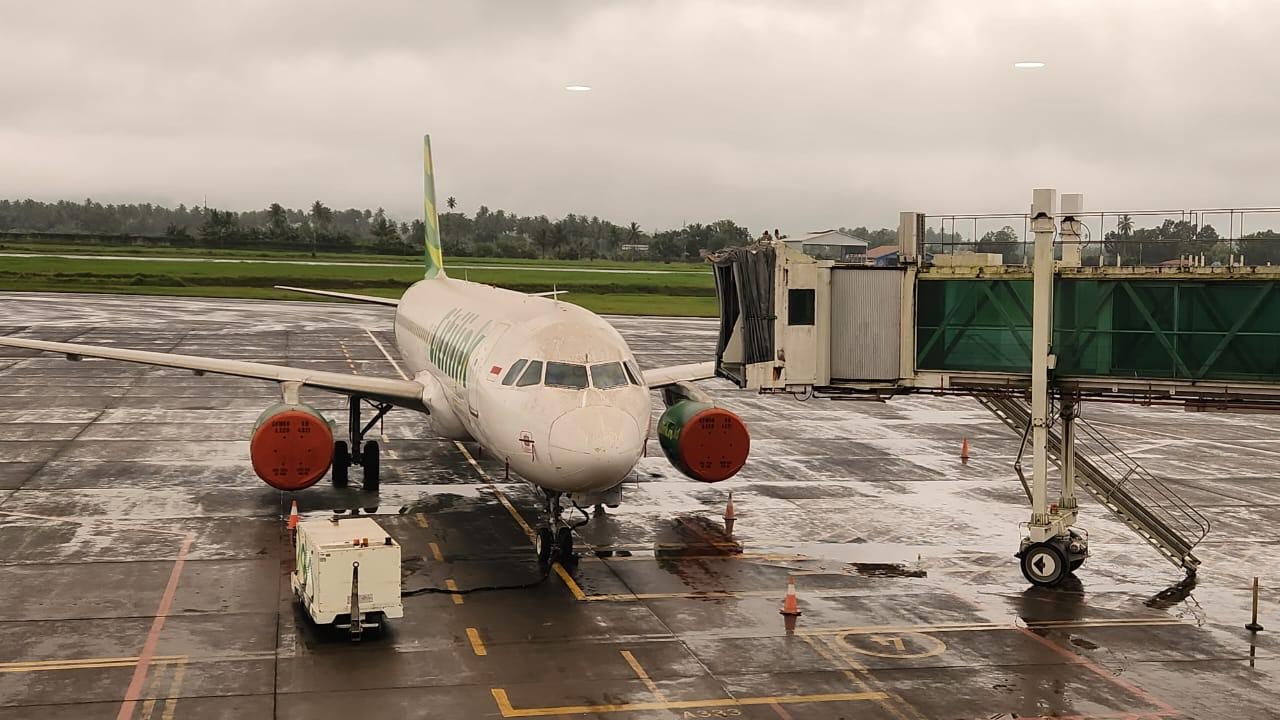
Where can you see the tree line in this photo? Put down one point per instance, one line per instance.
(319, 228)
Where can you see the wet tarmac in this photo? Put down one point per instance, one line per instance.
(143, 566)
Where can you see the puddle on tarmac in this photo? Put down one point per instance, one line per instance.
(887, 570)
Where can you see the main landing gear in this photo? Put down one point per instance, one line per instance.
(354, 450)
(554, 543)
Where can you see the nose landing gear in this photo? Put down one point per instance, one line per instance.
(555, 543)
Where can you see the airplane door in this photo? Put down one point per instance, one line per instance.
(479, 373)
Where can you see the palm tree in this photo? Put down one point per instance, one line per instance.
(633, 232)
(1125, 225)
(319, 218)
(452, 202)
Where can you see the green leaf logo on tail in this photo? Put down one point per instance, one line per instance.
(435, 258)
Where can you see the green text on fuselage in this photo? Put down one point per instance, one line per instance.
(454, 342)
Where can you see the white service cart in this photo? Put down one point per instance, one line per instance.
(347, 573)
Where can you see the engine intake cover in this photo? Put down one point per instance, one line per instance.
(291, 446)
(702, 441)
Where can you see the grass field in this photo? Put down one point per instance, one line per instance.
(639, 293)
(416, 260)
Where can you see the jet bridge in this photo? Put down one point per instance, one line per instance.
(1070, 320)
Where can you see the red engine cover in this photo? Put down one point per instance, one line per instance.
(706, 443)
(291, 447)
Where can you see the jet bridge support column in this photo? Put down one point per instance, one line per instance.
(1051, 550)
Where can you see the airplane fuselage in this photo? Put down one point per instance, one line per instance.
(546, 385)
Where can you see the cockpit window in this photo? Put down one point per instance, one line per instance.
(514, 372)
(532, 374)
(608, 375)
(566, 375)
(632, 373)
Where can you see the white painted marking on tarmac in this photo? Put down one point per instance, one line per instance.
(386, 354)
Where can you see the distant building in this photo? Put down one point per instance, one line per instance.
(636, 247)
(830, 245)
(883, 256)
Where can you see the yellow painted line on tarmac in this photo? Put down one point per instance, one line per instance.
(457, 599)
(435, 552)
(862, 678)
(83, 664)
(980, 627)
(508, 711)
(421, 519)
(502, 498)
(569, 583)
(477, 645)
(644, 676)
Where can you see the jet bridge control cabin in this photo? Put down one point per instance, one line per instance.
(1072, 319)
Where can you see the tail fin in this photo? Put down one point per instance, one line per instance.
(435, 258)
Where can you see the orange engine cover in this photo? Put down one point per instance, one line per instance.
(702, 441)
(291, 447)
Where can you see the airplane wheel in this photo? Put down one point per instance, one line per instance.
(341, 463)
(564, 546)
(543, 544)
(371, 464)
(1044, 564)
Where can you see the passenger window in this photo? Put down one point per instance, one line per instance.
(532, 374)
(608, 375)
(632, 373)
(514, 372)
(566, 375)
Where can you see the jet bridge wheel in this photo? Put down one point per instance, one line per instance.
(369, 461)
(341, 463)
(1044, 564)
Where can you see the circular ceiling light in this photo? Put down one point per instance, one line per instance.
(1028, 64)
(578, 88)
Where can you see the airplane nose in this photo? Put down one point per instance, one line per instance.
(595, 447)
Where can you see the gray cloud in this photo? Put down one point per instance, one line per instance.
(789, 114)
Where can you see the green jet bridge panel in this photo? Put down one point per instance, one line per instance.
(1190, 328)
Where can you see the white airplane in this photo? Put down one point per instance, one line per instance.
(548, 386)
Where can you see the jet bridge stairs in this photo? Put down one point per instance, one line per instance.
(1143, 502)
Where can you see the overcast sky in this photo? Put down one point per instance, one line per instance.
(801, 115)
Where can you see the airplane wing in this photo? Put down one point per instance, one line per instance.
(403, 393)
(345, 296)
(672, 374)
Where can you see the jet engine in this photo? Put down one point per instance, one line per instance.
(705, 442)
(291, 446)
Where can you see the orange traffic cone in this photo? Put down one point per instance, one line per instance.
(293, 516)
(729, 517)
(964, 450)
(790, 609)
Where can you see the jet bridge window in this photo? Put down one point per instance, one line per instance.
(514, 372)
(800, 306)
(566, 375)
(532, 374)
(608, 375)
